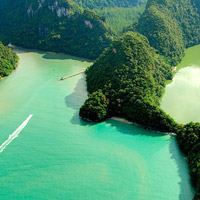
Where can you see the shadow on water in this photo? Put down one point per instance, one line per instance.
(50, 55)
(186, 190)
(76, 100)
(133, 129)
(61, 56)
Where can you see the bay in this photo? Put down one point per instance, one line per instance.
(58, 156)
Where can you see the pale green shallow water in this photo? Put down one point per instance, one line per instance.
(182, 96)
(57, 156)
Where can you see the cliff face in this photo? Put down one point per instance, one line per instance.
(60, 8)
(55, 25)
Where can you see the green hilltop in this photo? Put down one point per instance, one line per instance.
(132, 77)
(119, 14)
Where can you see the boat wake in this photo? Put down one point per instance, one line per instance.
(15, 134)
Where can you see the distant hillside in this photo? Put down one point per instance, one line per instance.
(100, 4)
(54, 25)
(170, 26)
(119, 18)
(8, 61)
(119, 14)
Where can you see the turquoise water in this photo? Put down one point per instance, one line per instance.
(181, 99)
(58, 156)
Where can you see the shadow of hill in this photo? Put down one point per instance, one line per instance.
(183, 173)
(49, 55)
(76, 100)
(133, 129)
(186, 189)
(61, 56)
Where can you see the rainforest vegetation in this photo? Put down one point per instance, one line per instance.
(64, 26)
(119, 14)
(170, 26)
(8, 60)
(59, 26)
(101, 4)
(119, 18)
(95, 107)
(133, 79)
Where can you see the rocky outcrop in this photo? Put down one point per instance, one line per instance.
(61, 10)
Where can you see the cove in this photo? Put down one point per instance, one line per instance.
(58, 156)
(181, 98)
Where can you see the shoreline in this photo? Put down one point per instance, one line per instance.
(119, 119)
(27, 49)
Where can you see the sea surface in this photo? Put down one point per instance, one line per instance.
(48, 153)
(182, 95)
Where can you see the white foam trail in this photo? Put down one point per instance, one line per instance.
(15, 134)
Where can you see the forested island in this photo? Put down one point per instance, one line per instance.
(8, 61)
(131, 70)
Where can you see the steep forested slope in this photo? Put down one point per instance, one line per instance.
(131, 76)
(171, 26)
(56, 25)
(8, 61)
(109, 3)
